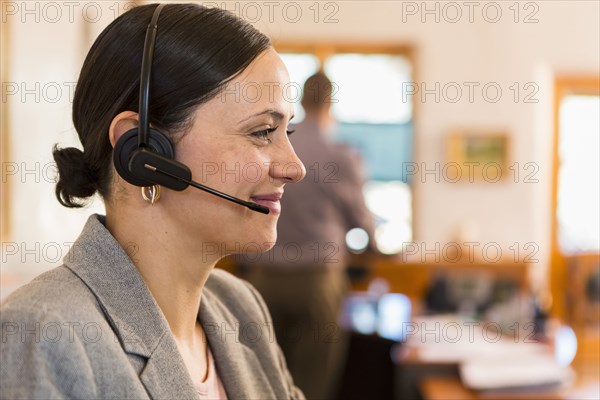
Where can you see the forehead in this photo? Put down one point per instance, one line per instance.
(266, 68)
(261, 85)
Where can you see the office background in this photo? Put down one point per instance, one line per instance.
(476, 70)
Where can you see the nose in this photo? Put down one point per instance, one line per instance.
(287, 167)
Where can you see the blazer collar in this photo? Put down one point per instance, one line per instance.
(238, 366)
(102, 264)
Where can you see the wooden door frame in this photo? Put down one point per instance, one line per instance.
(563, 85)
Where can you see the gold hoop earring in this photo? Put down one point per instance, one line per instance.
(151, 194)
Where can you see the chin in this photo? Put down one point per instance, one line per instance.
(252, 248)
(262, 239)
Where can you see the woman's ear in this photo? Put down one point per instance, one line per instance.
(120, 124)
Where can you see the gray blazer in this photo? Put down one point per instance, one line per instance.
(91, 329)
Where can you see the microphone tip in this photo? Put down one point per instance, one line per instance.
(259, 208)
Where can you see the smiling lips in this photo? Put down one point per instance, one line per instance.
(270, 200)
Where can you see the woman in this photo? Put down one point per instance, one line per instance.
(137, 310)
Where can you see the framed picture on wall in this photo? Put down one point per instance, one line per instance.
(477, 156)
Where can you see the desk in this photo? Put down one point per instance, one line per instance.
(411, 370)
(441, 381)
(451, 388)
(436, 375)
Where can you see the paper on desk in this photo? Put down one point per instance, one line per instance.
(505, 373)
(486, 361)
(446, 339)
(466, 351)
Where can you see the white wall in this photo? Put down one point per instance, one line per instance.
(565, 39)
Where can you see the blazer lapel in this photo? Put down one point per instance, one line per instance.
(102, 264)
(237, 364)
(165, 375)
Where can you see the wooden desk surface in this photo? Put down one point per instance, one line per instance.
(441, 382)
(585, 386)
(449, 388)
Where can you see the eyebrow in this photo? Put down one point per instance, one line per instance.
(277, 116)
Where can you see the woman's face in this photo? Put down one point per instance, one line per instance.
(238, 145)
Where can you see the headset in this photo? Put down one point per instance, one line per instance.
(143, 156)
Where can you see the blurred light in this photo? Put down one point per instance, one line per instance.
(394, 315)
(357, 240)
(377, 100)
(388, 200)
(364, 318)
(565, 346)
(577, 212)
(391, 236)
(391, 203)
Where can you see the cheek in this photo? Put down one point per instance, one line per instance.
(228, 166)
(254, 168)
(236, 169)
(209, 164)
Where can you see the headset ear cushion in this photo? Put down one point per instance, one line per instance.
(128, 144)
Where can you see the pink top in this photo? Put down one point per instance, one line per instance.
(212, 387)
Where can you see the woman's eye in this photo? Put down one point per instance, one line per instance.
(290, 132)
(264, 135)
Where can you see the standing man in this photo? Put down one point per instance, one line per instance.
(303, 279)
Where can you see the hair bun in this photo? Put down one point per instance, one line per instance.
(75, 179)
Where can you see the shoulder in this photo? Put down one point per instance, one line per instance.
(346, 153)
(344, 165)
(51, 306)
(47, 305)
(41, 342)
(53, 292)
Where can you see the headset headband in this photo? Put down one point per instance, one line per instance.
(152, 160)
(145, 77)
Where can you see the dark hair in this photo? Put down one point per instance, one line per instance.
(317, 92)
(198, 50)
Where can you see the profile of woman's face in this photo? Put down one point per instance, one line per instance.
(238, 144)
